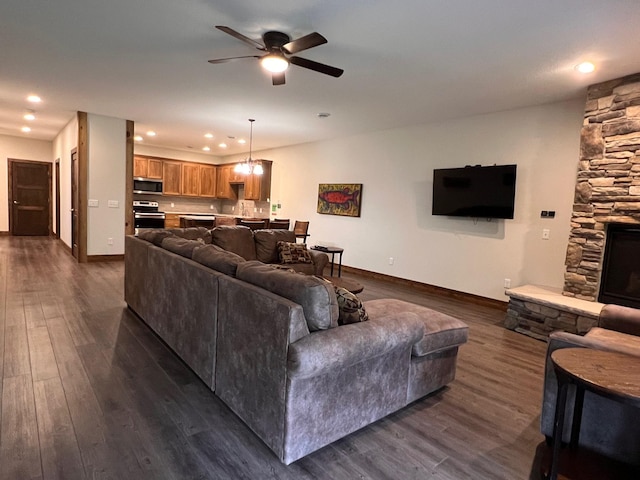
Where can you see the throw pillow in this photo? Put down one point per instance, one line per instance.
(350, 307)
(290, 252)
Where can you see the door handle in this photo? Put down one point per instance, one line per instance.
(15, 202)
(72, 210)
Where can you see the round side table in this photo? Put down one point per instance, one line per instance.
(609, 374)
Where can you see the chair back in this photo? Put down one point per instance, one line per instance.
(301, 229)
(279, 224)
(256, 224)
(219, 221)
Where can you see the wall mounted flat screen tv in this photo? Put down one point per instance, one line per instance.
(475, 191)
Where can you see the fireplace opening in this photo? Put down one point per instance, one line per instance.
(620, 279)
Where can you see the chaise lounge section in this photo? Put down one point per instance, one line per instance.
(267, 341)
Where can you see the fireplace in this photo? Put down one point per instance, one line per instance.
(620, 278)
(603, 254)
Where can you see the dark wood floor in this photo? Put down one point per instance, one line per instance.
(88, 391)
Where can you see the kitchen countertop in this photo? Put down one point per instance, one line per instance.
(199, 215)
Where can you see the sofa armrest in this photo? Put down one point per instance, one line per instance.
(621, 319)
(341, 347)
(320, 260)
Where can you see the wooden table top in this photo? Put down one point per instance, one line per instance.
(610, 373)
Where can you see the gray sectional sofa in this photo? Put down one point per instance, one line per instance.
(267, 341)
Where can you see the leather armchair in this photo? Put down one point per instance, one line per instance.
(608, 427)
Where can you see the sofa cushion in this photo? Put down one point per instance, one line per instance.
(441, 331)
(350, 307)
(217, 258)
(291, 252)
(193, 233)
(316, 297)
(181, 246)
(267, 243)
(154, 235)
(237, 239)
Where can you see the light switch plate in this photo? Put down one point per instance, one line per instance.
(93, 202)
(113, 203)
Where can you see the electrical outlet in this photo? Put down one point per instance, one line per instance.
(390, 260)
(173, 204)
(109, 241)
(211, 207)
(545, 233)
(507, 283)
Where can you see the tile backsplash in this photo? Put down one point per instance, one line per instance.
(208, 206)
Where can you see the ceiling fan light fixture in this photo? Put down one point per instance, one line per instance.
(274, 63)
(585, 67)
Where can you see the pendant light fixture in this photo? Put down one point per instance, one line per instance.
(249, 166)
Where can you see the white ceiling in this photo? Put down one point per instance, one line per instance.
(405, 63)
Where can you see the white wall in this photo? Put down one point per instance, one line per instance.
(142, 149)
(106, 178)
(64, 142)
(396, 169)
(18, 148)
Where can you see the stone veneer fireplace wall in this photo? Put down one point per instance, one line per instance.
(608, 184)
(607, 193)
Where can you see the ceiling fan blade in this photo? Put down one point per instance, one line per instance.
(277, 78)
(241, 37)
(315, 66)
(303, 43)
(231, 59)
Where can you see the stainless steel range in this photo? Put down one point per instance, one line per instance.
(146, 215)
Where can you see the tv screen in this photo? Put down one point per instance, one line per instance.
(479, 192)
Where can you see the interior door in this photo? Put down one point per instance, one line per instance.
(30, 197)
(74, 203)
(58, 198)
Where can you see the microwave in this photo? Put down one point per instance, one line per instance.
(147, 185)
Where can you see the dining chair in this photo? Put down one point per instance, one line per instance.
(219, 221)
(254, 224)
(300, 229)
(279, 224)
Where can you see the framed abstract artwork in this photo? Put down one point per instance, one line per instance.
(340, 199)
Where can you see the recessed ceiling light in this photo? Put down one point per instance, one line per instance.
(29, 116)
(208, 135)
(151, 133)
(242, 141)
(222, 145)
(585, 67)
(206, 149)
(138, 138)
(34, 99)
(25, 129)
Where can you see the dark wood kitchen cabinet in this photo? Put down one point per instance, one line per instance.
(208, 180)
(190, 179)
(224, 188)
(147, 167)
(172, 178)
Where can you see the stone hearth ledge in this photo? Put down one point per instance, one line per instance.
(537, 311)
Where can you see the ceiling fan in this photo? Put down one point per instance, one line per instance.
(279, 50)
